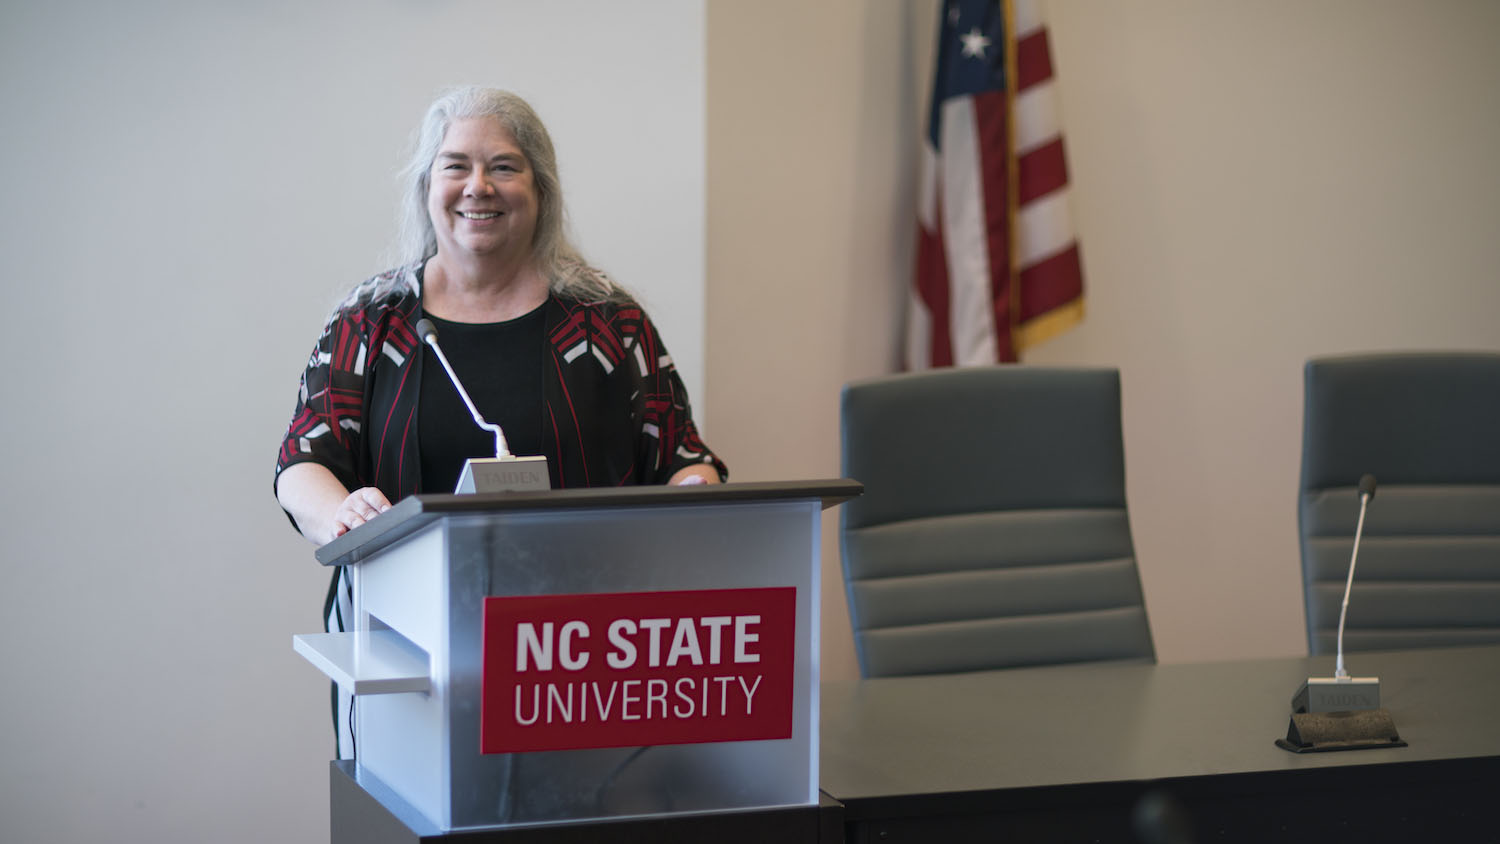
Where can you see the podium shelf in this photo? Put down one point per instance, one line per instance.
(376, 662)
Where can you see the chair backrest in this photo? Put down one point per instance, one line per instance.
(1427, 426)
(993, 531)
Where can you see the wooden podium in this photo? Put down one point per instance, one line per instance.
(432, 576)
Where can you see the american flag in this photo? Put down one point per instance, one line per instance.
(998, 267)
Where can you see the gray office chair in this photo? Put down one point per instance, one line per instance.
(1427, 426)
(993, 531)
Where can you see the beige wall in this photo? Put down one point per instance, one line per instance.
(810, 108)
(1254, 184)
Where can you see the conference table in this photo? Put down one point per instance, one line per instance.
(1086, 752)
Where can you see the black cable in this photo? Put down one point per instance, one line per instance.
(609, 780)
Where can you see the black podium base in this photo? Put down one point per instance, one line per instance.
(356, 817)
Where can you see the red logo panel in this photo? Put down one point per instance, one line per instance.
(563, 672)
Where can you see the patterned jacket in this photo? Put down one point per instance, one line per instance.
(616, 411)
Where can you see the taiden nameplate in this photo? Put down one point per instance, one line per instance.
(1330, 694)
(504, 474)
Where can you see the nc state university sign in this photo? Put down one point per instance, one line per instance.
(563, 672)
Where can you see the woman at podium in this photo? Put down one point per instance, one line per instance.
(549, 348)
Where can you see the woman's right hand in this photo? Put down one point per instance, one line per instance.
(359, 507)
(323, 508)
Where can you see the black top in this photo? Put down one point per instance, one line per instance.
(500, 364)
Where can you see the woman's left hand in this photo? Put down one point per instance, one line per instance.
(701, 473)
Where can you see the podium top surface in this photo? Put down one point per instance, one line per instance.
(416, 511)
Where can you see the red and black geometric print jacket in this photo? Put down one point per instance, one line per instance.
(616, 411)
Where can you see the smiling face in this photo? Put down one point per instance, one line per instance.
(482, 197)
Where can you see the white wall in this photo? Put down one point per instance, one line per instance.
(187, 188)
(1253, 184)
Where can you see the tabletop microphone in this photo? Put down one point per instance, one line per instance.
(1342, 712)
(504, 471)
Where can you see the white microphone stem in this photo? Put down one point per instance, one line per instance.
(1359, 529)
(500, 448)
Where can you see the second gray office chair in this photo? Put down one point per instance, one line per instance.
(993, 531)
(1427, 426)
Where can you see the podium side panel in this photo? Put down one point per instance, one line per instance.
(402, 738)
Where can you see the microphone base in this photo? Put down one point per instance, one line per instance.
(1321, 732)
(1333, 694)
(504, 474)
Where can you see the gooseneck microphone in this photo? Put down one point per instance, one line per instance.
(427, 333)
(1366, 492)
(1342, 693)
(504, 471)
(1341, 712)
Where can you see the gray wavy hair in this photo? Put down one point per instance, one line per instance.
(555, 256)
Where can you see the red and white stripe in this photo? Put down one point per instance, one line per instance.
(1050, 277)
(967, 302)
